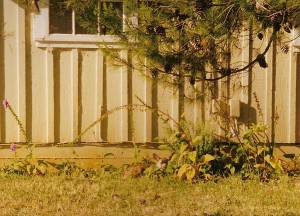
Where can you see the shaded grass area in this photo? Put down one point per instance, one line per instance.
(111, 195)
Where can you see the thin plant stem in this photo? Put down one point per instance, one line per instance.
(19, 123)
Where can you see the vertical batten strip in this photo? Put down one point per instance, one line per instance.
(2, 77)
(268, 89)
(246, 80)
(148, 99)
(247, 46)
(50, 94)
(292, 98)
(99, 93)
(124, 97)
(21, 69)
(297, 96)
(200, 105)
(74, 77)
(273, 105)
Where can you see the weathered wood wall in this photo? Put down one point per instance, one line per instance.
(58, 92)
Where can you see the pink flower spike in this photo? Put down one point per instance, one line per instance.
(13, 147)
(5, 104)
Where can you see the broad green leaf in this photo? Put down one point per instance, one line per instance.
(232, 170)
(182, 170)
(197, 139)
(42, 169)
(181, 159)
(258, 165)
(28, 168)
(183, 148)
(173, 158)
(190, 174)
(34, 172)
(21, 164)
(192, 156)
(240, 152)
(267, 158)
(259, 151)
(206, 158)
(276, 164)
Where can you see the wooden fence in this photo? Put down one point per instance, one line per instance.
(57, 92)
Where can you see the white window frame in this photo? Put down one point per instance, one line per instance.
(296, 41)
(42, 38)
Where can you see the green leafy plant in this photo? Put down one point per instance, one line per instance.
(204, 157)
(191, 152)
(259, 150)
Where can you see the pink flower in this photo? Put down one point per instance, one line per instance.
(5, 104)
(13, 147)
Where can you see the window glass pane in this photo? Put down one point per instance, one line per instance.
(111, 18)
(60, 18)
(86, 20)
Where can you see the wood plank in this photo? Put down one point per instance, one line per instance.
(141, 90)
(87, 94)
(269, 90)
(297, 72)
(11, 69)
(99, 93)
(64, 97)
(50, 95)
(292, 107)
(148, 96)
(124, 97)
(114, 93)
(74, 77)
(21, 70)
(2, 73)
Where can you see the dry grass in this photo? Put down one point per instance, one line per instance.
(58, 195)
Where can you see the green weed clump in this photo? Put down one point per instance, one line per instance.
(196, 154)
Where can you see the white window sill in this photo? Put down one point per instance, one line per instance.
(78, 41)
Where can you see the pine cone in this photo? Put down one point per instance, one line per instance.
(260, 36)
(202, 5)
(159, 30)
(198, 15)
(195, 44)
(168, 67)
(287, 29)
(191, 24)
(192, 80)
(225, 71)
(154, 72)
(150, 29)
(262, 61)
(285, 48)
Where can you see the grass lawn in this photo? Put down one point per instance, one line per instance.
(111, 195)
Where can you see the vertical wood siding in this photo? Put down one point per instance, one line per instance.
(58, 92)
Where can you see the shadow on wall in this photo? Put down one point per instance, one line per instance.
(250, 114)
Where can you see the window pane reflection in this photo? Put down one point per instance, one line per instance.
(60, 19)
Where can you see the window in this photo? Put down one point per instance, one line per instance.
(59, 26)
(296, 41)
